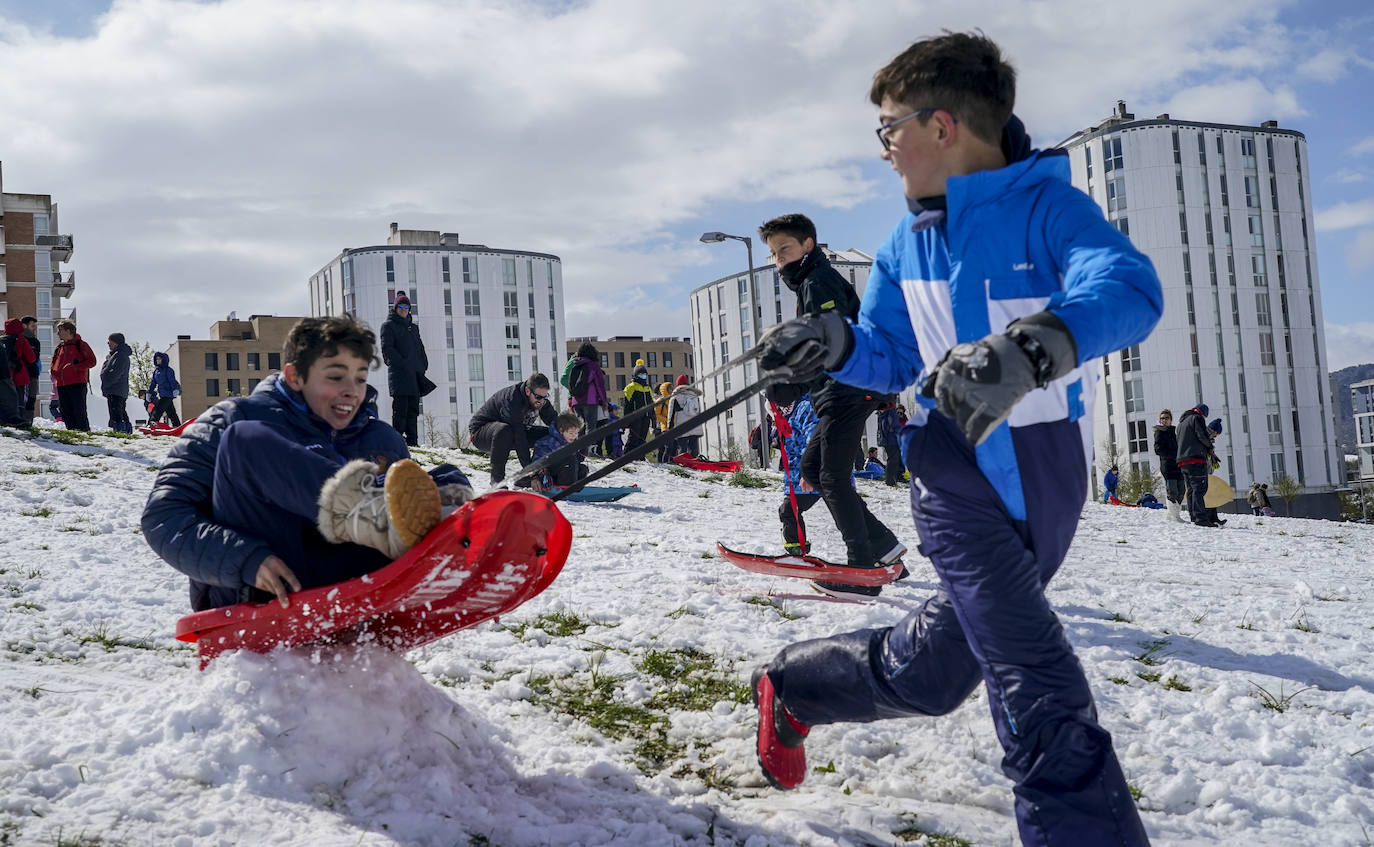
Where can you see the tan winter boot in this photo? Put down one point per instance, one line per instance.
(389, 517)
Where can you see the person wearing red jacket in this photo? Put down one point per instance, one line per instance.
(21, 357)
(71, 366)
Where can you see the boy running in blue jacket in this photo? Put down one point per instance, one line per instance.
(997, 294)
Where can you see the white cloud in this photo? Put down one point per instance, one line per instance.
(1346, 215)
(1349, 344)
(1363, 147)
(209, 156)
(1347, 176)
(1359, 253)
(1327, 65)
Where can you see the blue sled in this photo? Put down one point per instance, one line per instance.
(598, 494)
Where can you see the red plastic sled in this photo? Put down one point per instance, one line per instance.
(484, 560)
(162, 428)
(810, 567)
(687, 460)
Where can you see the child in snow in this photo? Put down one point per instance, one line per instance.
(842, 408)
(665, 389)
(615, 442)
(1109, 480)
(563, 431)
(799, 496)
(163, 389)
(637, 396)
(297, 485)
(997, 447)
(683, 404)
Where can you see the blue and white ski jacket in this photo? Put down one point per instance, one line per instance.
(803, 422)
(1015, 241)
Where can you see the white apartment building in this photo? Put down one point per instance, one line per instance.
(723, 327)
(1362, 403)
(1224, 212)
(488, 317)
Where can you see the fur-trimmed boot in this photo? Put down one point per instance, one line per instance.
(1174, 510)
(388, 513)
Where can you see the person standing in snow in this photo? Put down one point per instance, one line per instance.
(162, 391)
(72, 362)
(637, 396)
(587, 393)
(1194, 458)
(1109, 480)
(683, 404)
(404, 354)
(297, 485)
(20, 360)
(889, 427)
(665, 390)
(30, 324)
(1166, 448)
(834, 451)
(114, 382)
(998, 293)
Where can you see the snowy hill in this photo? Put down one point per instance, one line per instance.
(1232, 667)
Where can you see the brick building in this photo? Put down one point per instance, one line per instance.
(32, 281)
(231, 362)
(666, 358)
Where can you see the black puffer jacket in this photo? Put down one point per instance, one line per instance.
(1194, 439)
(114, 373)
(1166, 448)
(511, 406)
(820, 288)
(404, 354)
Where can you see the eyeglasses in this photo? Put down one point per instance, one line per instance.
(884, 132)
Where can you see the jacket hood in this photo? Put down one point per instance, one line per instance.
(1164, 427)
(687, 389)
(13, 327)
(122, 349)
(161, 359)
(665, 388)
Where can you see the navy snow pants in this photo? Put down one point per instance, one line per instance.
(268, 485)
(988, 621)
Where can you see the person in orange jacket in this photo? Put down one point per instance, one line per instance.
(71, 366)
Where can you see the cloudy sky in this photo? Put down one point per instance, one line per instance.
(209, 156)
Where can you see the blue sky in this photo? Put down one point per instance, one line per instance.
(209, 156)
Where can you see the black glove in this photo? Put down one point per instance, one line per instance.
(977, 384)
(808, 345)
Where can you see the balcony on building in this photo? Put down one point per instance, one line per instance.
(63, 283)
(61, 245)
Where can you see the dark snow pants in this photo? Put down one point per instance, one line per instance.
(405, 416)
(498, 439)
(988, 621)
(268, 486)
(892, 467)
(72, 400)
(1195, 475)
(826, 464)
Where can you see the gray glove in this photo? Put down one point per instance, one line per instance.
(808, 346)
(452, 496)
(977, 384)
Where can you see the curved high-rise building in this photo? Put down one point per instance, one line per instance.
(1224, 212)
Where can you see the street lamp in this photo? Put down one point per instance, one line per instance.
(765, 450)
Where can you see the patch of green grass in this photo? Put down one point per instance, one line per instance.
(770, 603)
(1153, 651)
(828, 767)
(744, 478)
(1302, 624)
(24, 604)
(1117, 617)
(915, 832)
(558, 624)
(679, 612)
(35, 470)
(110, 642)
(40, 512)
(9, 833)
(67, 436)
(79, 840)
(88, 473)
(1149, 676)
(591, 699)
(695, 680)
(122, 436)
(704, 494)
(1119, 680)
(713, 477)
(679, 472)
(1276, 702)
(1173, 683)
(1136, 793)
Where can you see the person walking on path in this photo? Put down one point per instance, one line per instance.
(406, 363)
(114, 382)
(163, 389)
(72, 362)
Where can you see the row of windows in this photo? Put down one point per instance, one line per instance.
(232, 387)
(231, 362)
(468, 266)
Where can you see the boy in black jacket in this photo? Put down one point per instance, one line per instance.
(843, 410)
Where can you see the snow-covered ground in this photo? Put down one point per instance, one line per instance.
(1232, 667)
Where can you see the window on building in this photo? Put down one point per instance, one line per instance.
(1225, 192)
(1116, 195)
(1266, 345)
(474, 335)
(1111, 154)
(548, 266)
(234, 387)
(620, 382)
(1089, 152)
(1138, 435)
(1262, 314)
(476, 367)
(513, 368)
(1257, 270)
(252, 384)
(477, 395)
(472, 302)
(1183, 227)
(1226, 230)
(1192, 338)
(1135, 395)
(552, 308)
(1247, 153)
(1271, 388)
(651, 359)
(211, 388)
(667, 358)
(724, 352)
(513, 336)
(512, 303)
(619, 358)
(1130, 359)
(274, 361)
(1122, 224)
(469, 264)
(635, 357)
(444, 270)
(724, 329)
(1275, 424)
(1178, 153)
(1256, 232)
(508, 272)
(410, 269)
(390, 268)
(212, 361)
(1252, 192)
(231, 361)
(254, 361)
(1109, 404)
(1276, 466)
(530, 301)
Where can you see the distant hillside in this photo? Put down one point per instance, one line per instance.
(1345, 417)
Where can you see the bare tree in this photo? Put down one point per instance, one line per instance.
(1288, 488)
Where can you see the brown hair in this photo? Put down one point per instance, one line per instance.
(568, 420)
(797, 225)
(962, 73)
(313, 338)
(68, 325)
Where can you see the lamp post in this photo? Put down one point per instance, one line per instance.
(765, 451)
